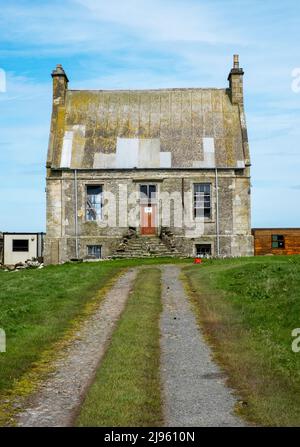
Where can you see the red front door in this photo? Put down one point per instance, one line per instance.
(148, 219)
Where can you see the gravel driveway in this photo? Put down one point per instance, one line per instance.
(194, 390)
(195, 393)
(60, 396)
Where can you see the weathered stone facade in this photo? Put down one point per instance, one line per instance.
(173, 139)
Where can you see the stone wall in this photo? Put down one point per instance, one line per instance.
(234, 210)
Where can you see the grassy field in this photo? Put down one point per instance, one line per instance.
(126, 391)
(38, 306)
(248, 309)
(41, 311)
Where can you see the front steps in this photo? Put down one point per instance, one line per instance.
(144, 247)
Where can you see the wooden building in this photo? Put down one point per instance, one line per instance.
(276, 241)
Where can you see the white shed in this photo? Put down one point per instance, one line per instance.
(19, 247)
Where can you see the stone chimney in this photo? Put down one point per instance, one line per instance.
(235, 79)
(60, 85)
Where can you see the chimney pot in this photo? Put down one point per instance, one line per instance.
(59, 71)
(236, 63)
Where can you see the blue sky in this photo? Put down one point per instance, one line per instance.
(150, 44)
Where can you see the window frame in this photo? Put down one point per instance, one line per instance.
(99, 217)
(20, 249)
(278, 241)
(206, 245)
(205, 196)
(93, 246)
(148, 197)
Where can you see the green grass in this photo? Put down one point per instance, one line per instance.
(126, 391)
(37, 306)
(40, 311)
(248, 309)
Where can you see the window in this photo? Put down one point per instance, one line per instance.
(20, 244)
(148, 192)
(202, 202)
(203, 249)
(94, 251)
(93, 202)
(277, 241)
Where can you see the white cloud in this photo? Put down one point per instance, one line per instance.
(52, 28)
(20, 87)
(151, 44)
(162, 20)
(81, 26)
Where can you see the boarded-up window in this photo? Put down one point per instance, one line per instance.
(93, 202)
(277, 241)
(20, 245)
(202, 200)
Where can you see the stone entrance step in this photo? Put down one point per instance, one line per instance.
(144, 247)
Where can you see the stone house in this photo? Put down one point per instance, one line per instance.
(166, 170)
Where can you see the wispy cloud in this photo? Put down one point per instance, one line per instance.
(150, 44)
(88, 21)
(167, 21)
(22, 88)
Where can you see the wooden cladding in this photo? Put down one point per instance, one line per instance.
(277, 241)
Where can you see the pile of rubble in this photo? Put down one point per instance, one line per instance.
(29, 264)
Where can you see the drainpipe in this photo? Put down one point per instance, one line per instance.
(76, 213)
(217, 213)
(182, 202)
(37, 245)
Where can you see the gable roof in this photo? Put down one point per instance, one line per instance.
(178, 128)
